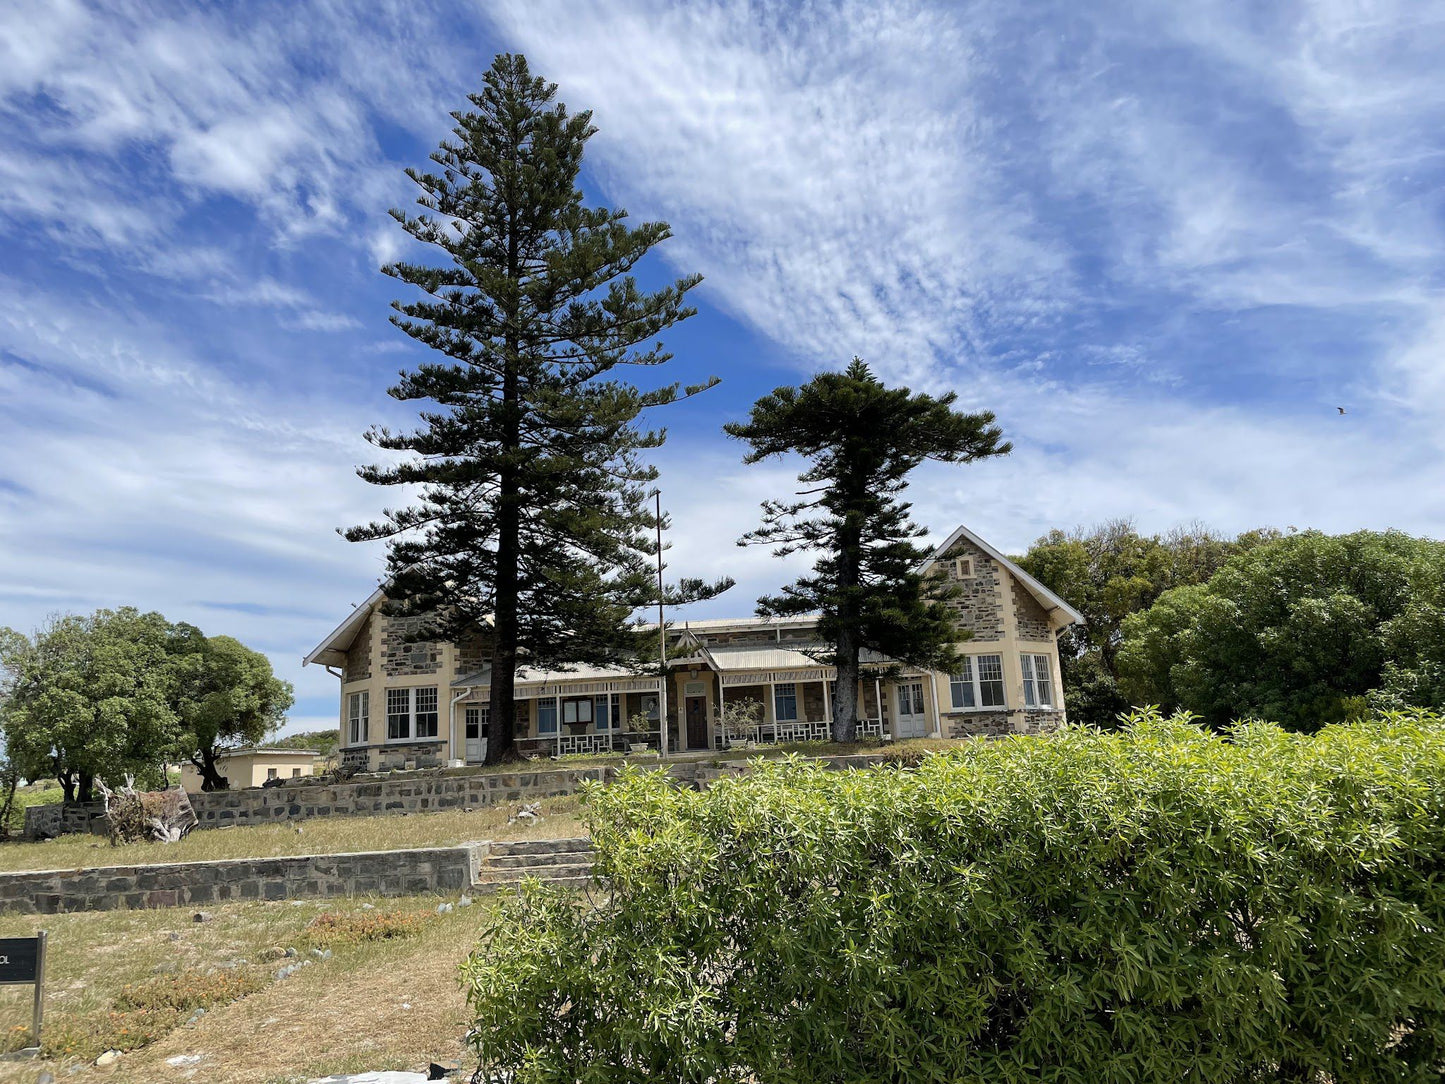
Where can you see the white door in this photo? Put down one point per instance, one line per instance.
(911, 721)
(477, 734)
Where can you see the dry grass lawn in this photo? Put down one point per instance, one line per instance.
(372, 1005)
(322, 835)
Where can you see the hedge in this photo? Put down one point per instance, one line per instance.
(1159, 904)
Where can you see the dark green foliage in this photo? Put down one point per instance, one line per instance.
(324, 742)
(91, 696)
(226, 696)
(1108, 573)
(861, 440)
(531, 513)
(1151, 906)
(1307, 629)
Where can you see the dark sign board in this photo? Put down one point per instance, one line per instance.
(19, 960)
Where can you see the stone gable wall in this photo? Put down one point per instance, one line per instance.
(358, 659)
(402, 655)
(979, 605)
(1033, 619)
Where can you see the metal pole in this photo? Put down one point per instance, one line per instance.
(39, 983)
(661, 638)
(878, 696)
(557, 708)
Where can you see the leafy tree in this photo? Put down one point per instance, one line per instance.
(226, 695)
(862, 440)
(324, 742)
(1304, 630)
(531, 511)
(1107, 573)
(88, 696)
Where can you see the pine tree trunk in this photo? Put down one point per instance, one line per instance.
(845, 703)
(500, 744)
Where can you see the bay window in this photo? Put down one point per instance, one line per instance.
(1038, 681)
(979, 683)
(411, 713)
(358, 708)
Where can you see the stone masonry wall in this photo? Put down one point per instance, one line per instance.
(418, 793)
(998, 724)
(980, 602)
(385, 873)
(358, 659)
(1033, 619)
(402, 655)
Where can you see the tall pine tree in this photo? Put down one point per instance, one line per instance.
(531, 510)
(862, 440)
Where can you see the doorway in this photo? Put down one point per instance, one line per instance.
(696, 722)
(477, 718)
(912, 721)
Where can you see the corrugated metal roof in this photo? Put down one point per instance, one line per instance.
(526, 676)
(762, 657)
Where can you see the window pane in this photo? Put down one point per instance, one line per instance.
(960, 686)
(546, 717)
(990, 681)
(1026, 662)
(1043, 679)
(473, 723)
(426, 711)
(785, 702)
(569, 711)
(602, 713)
(398, 714)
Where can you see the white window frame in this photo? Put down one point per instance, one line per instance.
(785, 690)
(483, 716)
(910, 695)
(969, 684)
(358, 717)
(1032, 664)
(408, 700)
(963, 568)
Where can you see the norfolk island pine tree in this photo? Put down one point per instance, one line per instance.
(531, 512)
(861, 440)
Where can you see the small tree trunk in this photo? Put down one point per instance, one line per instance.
(211, 777)
(85, 787)
(67, 786)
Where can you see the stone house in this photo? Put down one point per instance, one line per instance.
(409, 702)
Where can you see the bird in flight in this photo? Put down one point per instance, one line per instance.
(1340, 409)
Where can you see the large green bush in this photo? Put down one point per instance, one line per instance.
(1160, 904)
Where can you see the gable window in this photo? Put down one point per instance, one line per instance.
(785, 702)
(963, 568)
(979, 683)
(358, 724)
(1038, 682)
(411, 713)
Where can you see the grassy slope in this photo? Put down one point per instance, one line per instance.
(324, 835)
(389, 1004)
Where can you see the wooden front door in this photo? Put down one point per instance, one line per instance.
(697, 722)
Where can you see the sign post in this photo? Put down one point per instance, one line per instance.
(22, 960)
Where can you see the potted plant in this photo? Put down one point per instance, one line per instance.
(739, 722)
(638, 727)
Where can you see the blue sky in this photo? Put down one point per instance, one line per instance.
(1162, 242)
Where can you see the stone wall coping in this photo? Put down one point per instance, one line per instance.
(221, 863)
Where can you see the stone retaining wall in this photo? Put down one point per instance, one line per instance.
(384, 873)
(412, 793)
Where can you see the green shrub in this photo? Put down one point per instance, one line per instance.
(1159, 904)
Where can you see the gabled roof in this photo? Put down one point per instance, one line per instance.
(332, 650)
(1056, 606)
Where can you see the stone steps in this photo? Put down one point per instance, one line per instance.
(565, 862)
